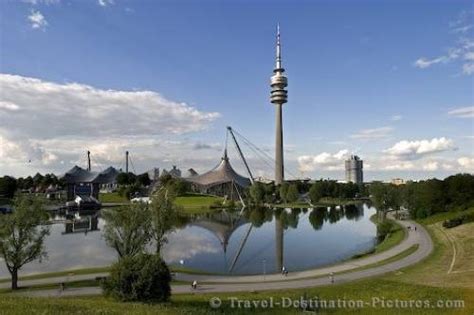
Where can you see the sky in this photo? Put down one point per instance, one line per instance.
(389, 81)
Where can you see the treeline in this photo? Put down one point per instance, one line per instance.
(9, 185)
(130, 184)
(425, 198)
(291, 192)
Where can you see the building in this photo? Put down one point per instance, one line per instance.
(354, 173)
(81, 182)
(397, 181)
(222, 180)
(154, 174)
(174, 172)
(108, 180)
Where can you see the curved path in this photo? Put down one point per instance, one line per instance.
(294, 280)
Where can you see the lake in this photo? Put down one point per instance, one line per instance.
(254, 241)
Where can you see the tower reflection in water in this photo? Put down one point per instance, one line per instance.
(224, 224)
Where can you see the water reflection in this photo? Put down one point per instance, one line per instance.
(236, 242)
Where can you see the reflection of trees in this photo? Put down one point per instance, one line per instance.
(334, 215)
(354, 212)
(317, 217)
(288, 219)
(257, 216)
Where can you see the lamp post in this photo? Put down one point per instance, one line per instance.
(264, 268)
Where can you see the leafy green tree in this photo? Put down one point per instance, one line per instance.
(37, 180)
(257, 193)
(284, 191)
(125, 179)
(140, 278)
(8, 186)
(316, 192)
(143, 180)
(22, 235)
(164, 215)
(128, 228)
(293, 194)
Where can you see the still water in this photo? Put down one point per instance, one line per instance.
(249, 242)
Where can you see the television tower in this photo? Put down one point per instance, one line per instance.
(279, 96)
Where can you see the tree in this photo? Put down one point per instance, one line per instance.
(316, 192)
(22, 235)
(293, 194)
(126, 179)
(284, 191)
(140, 278)
(8, 186)
(128, 229)
(164, 215)
(257, 193)
(143, 180)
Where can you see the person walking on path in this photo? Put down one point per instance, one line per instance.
(331, 277)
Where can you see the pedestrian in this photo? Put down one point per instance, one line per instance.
(415, 228)
(194, 284)
(331, 277)
(283, 270)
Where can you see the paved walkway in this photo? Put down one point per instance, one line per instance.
(300, 279)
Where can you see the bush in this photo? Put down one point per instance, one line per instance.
(383, 229)
(463, 219)
(143, 278)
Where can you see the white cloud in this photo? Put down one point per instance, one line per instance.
(423, 62)
(401, 166)
(77, 110)
(376, 133)
(37, 20)
(105, 3)
(9, 106)
(468, 68)
(431, 166)
(325, 160)
(410, 150)
(396, 118)
(462, 29)
(462, 51)
(59, 122)
(466, 163)
(47, 2)
(463, 112)
(469, 56)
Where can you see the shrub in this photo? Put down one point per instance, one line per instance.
(143, 278)
(463, 219)
(383, 229)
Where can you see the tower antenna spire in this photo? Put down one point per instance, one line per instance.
(278, 49)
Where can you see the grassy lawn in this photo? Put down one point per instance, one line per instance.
(112, 198)
(396, 236)
(444, 268)
(85, 271)
(88, 271)
(194, 203)
(368, 291)
(443, 216)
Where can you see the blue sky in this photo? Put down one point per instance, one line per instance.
(388, 80)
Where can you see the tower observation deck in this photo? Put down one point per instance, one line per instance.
(278, 97)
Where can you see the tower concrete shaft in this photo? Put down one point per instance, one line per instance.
(279, 96)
